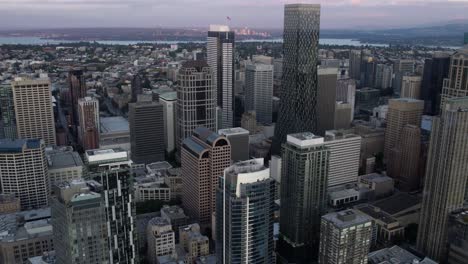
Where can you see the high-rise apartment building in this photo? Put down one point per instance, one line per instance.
(383, 76)
(304, 178)
(23, 171)
(326, 99)
(411, 87)
(344, 147)
(445, 182)
(259, 91)
(220, 56)
(116, 189)
(77, 90)
(436, 69)
(297, 110)
(146, 130)
(345, 237)
(196, 100)
(204, 157)
(79, 223)
(33, 109)
(245, 212)
(161, 239)
(403, 163)
(456, 85)
(401, 112)
(7, 112)
(89, 125)
(401, 68)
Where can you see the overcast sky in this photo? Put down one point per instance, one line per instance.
(252, 13)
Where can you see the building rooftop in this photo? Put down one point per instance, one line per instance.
(158, 221)
(397, 203)
(25, 225)
(173, 212)
(305, 139)
(168, 96)
(396, 255)
(331, 135)
(8, 198)
(375, 177)
(158, 167)
(346, 218)
(46, 258)
(17, 145)
(66, 159)
(233, 131)
(114, 124)
(219, 28)
(104, 155)
(376, 213)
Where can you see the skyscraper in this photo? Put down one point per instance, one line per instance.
(136, 87)
(23, 171)
(196, 100)
(403, 163)
(33, 109)
(205, 155)
(345, 238)
(88, 114)
(411, 87)
(355, 58)
(77, 89)
(326, 99)
(436, 70)
(79, 223)
(346, 93)
(146, 130)
(239, 139)
(245, 211)
(456, 85)
(297, 110)
(169, 102)
(115, 187)
(445, 183)
(220, 56)
(7, 112)
(304, 179)
(259, 91)
(401, 112)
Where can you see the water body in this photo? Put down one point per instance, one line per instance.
(40, 41)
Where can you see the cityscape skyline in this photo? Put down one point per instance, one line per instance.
(29, 14)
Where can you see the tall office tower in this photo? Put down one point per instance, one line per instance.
(304, 178)
(116, 189)
(346, 92)
(23, 171)
(401, 112)
(326, 99)
(146, 131)
(137, 88)
(456, 85)
(403, 163)
(220, 56)
(169, 102)
(196, 100)
(368, 68)
(387, 76)
(355, 64)
(411, 87)
(445, 183)
(205, 155)
(259, 91)
(77, 86)
(345, 149)
(436, 70)
(379, 71)
(345, 238)
(89, 128)
(297, 110)
(245, 212)
(400, 69)
(33, 110)
(239, 139)
(79, 224)
(7, 112)
(161, 239)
